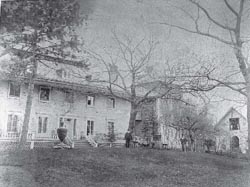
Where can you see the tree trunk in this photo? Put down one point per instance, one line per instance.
(248, 114)
(133, 113)
(28, 108)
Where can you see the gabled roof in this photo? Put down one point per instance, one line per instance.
(232, 109)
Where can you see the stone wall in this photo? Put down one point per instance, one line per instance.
(224, 134)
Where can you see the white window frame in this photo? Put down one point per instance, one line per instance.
(93, 129)
(17, 122)
(113, 103)
(42, 128)
(110, 121)
(13, 96)
(44, 101)
(92, 99)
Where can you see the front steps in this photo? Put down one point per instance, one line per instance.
(83, 143)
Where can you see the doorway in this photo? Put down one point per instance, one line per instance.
(235, 142)
(71, 125)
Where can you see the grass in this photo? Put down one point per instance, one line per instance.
(121, 167)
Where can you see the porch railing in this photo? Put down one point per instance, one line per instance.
(91, 141)
(16, 135)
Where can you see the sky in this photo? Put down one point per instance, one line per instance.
(139, 18)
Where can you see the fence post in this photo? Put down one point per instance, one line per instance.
(32, 145)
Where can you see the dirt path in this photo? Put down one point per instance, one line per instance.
(14, 176)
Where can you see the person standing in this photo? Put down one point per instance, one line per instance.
(128, 138)
(183, 143)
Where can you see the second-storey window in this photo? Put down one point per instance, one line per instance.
(234, 123)
(111, 102)
(69, 96)
(44, 94)
(14, 89)
(90, 100)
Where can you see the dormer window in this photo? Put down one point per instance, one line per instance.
(62, 73)
(234, 124)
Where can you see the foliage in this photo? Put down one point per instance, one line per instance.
(41, 30)
(111, 137)
(230, 28)
(209, 143)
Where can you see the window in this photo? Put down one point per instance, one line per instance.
(69, 96)
(234, 124)
(90, 100)
(74, 128)
(111, 127)
(42, 124)
(62, 73)
(44, 94)
(12, 123)
(111, 103)
(90, 127)
(111, 131)
(14, 89)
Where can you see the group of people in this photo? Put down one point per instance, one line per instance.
(184, 142)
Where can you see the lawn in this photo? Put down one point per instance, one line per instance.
(108, 167)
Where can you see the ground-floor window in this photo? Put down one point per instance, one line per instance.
(111, 131)
(74, 128)
(111, 127)
(235, 142)
(42, 124)
(12, 123)
(90, 127)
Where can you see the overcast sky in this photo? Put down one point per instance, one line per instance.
(138, 17)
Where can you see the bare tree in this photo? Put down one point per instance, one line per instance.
(205, 23)
(194, 121)
(129, 69)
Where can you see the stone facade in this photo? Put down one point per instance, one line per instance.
(155, 118)
(232, 132)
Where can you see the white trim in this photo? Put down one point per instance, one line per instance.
(113, 104)
(37, 125)
(93, 103)
(19, 120)
(89, 119)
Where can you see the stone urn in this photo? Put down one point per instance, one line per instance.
(62, 133)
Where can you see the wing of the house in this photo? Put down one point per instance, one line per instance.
(232, 131)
